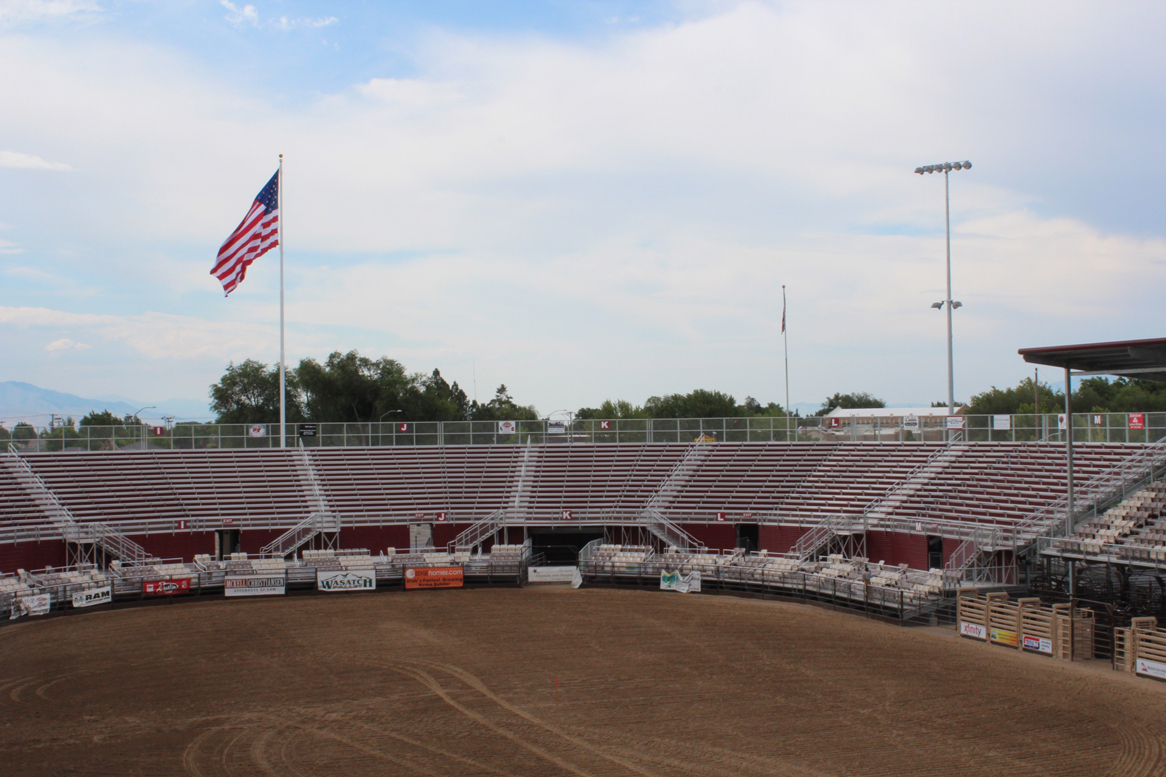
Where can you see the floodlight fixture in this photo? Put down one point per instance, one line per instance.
(946, 168)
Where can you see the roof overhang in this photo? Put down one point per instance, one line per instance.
(1142, 359)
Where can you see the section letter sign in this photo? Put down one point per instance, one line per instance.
(254, 585)
(346, 580)
(433, 577)
(165, 587)
(93, 597)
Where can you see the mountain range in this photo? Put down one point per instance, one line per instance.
(36, 405)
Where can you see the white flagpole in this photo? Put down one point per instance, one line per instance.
(282, 361)
(785, 352)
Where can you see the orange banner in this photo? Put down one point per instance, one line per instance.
(433, 577)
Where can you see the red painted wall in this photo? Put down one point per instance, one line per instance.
(714, 535)
(779, 539)
(32, 555)
(880, 546)
(183, 545)
(375, 538)
(910, 549)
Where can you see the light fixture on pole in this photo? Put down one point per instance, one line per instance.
(381, 426)
(946, 168)
(147, 407)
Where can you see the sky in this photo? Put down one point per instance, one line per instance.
(582, 200)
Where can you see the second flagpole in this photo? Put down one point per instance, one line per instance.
(785, 353)
(282, 360)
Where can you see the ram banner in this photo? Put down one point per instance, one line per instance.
(346, 580)
(674, 581)
(93, 597)
(30, 605)
(255, 585)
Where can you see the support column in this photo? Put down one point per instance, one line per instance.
(1069, 447)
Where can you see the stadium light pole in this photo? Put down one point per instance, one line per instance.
(147, 407)
(381, 426)
(946, 168)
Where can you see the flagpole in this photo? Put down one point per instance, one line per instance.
(282, 361)
(785, 353)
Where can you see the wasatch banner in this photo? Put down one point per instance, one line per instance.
(30, 605)
(254, 585)
(346, 580)
(674, 581)
(93, 596)
(165, 587)
(1150, 668)
(433, 577)
(551, 574)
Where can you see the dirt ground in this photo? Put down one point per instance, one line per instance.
(549, 680)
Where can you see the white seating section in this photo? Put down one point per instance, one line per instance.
(1134, 528)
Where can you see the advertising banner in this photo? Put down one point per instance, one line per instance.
(1002, 423)
(1137, 420)
(257, 430)
(911, 423)
(973, 630)
(254, 585)
(556, 427)
(1004, 637)
(507, 427)
(433, 577)
(551, 574)
(674, 581)
(346, 580)
(30, 605)
(1039, 644)
(165, 587)
(93, 597)
(955, 422)
(1150, 668)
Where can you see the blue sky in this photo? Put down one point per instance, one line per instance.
(584, 200)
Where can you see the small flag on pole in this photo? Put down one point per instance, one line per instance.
(783, 310)
(256, 234)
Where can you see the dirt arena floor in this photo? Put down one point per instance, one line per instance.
(549, 680)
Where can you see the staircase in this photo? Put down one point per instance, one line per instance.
(677, 476)
(477, 532)
(104, 536)
(820, 535)
(302, 533)
(522, 486)
(964, 562)
(670, 533)
(1109, 486)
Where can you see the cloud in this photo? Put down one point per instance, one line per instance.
(285, 23)
(65, 344)
(240, 16)
(249, 15)
(29, 162)
(17, 11)
(8, 247)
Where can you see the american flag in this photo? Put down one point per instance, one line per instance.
(256, 234)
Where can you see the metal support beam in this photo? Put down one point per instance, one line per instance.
(1069, 448)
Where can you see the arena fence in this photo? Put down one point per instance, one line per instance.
(1063, 630)
(1087, 427)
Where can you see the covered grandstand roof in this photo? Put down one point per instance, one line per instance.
(1143, 359)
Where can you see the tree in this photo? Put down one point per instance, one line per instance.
(431, 398)
(860, 399)
(23, 431)
(104, 418)
(700, 403)
(353, 388)
(502, 408)
(611, 410)
(248, 393)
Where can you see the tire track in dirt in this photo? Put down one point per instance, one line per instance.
(474, 682)
(1141, 752)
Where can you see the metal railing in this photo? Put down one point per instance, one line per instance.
(1087, 427)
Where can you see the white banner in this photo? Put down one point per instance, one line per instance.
(911, 423)
(674, 581)
(30, 605)
(257, 430)
(551, 574)
(254, 585)
(1039, 644)
(346, 580)
(973, 630)
(955, 422)
(93, 596)
(556, 427)
(1002, 423)
(1150, 668)
(577, 578)
(507, 427)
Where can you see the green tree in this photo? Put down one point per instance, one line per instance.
(611, 409)
(248, 393)
(104, 418)
(700, 403)
(502, 408)
(353, 388)
(431, 398)
(23, 431)
(860, 399)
